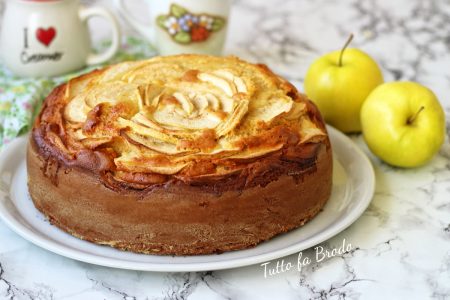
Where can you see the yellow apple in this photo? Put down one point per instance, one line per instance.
(339, 82)
(403, 123)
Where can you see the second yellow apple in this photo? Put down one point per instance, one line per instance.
(339, 82)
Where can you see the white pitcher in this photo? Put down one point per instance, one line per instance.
(183, 26)
(47, 38)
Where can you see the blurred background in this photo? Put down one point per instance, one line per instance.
(407, 38)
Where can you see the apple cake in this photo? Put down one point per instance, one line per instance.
(179, 155)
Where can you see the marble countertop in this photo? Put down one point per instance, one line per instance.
(400, 245)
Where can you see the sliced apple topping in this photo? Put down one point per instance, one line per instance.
(93, 143)
(114, 93)
(273, 108)
(260, 151)
(168, 116)
(153, 143)
(309, 131)
(165, 115)
(147, 93)
(227, 104)
(116, 72)
(224, 85)
(298, 109)
(186, 103)
(78, 134)
(142, 119)
(200, 102)
(146, 131)
(135, 161)
(239, 85)
(76, 110)
(213, 102)
(234, 119)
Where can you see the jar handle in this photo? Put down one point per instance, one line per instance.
(97, 58)
(145, 29)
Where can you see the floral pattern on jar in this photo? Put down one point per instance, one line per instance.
(185, 27)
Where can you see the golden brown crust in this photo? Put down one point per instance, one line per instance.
(178, 219)
(104, 168)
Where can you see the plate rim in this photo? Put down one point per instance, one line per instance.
(79, 255)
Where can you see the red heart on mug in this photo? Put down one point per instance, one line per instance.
(45, 36)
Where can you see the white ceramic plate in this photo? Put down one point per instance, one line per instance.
(353, 187)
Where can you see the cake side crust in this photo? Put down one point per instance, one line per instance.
(177, 219)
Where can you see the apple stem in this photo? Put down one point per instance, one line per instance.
(413, 117)
(349, 40)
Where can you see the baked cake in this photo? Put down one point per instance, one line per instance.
(179, 155)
